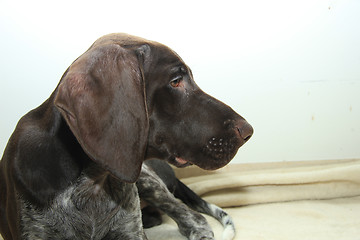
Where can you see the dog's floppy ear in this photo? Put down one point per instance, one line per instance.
(102, 98)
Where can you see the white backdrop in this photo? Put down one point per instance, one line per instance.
(291, 68)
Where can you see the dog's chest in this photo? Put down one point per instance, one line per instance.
(89, 209)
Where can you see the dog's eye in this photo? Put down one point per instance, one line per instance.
(176, 81)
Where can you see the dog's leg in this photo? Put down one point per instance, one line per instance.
(195, 202)
(151, 217)
(191, 224)
(191, 199)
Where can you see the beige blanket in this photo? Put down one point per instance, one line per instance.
(274, 201)
(301, 200)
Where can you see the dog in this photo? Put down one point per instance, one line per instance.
(69, 168)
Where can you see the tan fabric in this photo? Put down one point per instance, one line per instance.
(299, 220)
(266, 183)
(273, 201)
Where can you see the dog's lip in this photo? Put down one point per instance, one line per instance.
(180, 162)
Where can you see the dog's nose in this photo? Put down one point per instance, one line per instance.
(245, 131)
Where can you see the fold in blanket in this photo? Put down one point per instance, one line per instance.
(299, 200)
(297, 220)
(242, 184)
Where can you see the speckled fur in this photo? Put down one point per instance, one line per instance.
(97, 206)
(191, 224)
(100, 207)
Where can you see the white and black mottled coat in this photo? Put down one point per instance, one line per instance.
(98, 206)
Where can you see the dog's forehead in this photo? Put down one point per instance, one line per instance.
(122, 39)
(125, 40)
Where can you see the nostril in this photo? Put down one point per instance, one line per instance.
(246, 131)
(247, 138)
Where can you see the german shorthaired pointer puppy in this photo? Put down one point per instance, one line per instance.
(70, 167)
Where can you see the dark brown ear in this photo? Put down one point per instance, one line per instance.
(102, 98)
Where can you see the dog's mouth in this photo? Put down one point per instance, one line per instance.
(214, 155)
(179, 162)
(217, 152)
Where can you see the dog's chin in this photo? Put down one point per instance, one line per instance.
(213, 165)
(215, 161)
(209, 164)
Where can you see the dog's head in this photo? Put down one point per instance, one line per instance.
(128, 99)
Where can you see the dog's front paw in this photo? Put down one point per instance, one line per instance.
(202, 235)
